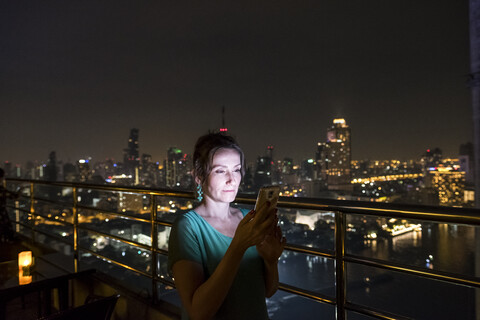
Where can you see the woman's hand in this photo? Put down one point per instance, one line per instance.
(255, 226)
(271, 248)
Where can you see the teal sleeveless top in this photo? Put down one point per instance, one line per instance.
(193, 238)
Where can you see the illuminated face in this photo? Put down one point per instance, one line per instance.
(224, 179)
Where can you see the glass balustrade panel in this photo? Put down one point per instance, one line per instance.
(168, 208)
(408, 295)
(285, 306)
(428, 245)
(127, 203)
(116, 225)
(307, 272)
(137, 283)
(119, 251)
(53, 193)
(53, 211)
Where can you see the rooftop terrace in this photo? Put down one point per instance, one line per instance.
(344, 259)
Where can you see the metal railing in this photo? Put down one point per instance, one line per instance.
(340, 208)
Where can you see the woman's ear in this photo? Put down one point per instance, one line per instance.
(197, 180)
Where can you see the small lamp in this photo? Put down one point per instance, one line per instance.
(25, 262)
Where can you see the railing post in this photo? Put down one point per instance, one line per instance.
(154, 243)
(75, 229)
(32, 210)
(340, 219)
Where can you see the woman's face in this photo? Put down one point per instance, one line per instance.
(223, 181)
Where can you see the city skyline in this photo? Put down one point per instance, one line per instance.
(77, 77)
(250, 161)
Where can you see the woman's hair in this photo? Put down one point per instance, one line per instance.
(205, 150)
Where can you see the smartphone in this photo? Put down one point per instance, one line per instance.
(269, 193)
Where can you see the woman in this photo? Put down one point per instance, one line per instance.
(224, 260)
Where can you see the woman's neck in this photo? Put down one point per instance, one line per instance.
(216, 210)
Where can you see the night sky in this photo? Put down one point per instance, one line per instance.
(75, 76)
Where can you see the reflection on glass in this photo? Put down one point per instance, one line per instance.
(116, 250)
(308, 228)
(134, 281)
(163, 236)
(168, 207)
(53, 211)
(162, 267)
(55, 228)
(65, 248)
(408, 295)
(436, 246)
(286, 306)
(128, 203)
(54, 193)
(168, 294)
(309, 272)
(119, 226)
(24, 278)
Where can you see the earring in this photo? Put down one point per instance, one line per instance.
(199, 192)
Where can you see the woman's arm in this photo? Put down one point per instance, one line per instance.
(270, 250)
(271, 279)
(202, 298)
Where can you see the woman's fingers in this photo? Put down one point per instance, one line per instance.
(264, 211)
(259, 224)
(269, 223)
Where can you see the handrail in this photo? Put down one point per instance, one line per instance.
(339, 207)
(406, 211)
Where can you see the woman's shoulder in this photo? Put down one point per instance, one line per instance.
(187, 216)
(243, 211)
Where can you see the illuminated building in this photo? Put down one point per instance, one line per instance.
(466, 161)
(131, 158)
(69, 172)
(7, 168)
(106, 169)
(287, 166)
(307, 169)
(448, 183)
(148, 171)
(263, 172)
(431, 158)
(321, 159)
(51, 168)
(177, 169)
(83, 168)
(12, 171)
(338, 156)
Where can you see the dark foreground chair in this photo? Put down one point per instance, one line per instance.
(98, 309)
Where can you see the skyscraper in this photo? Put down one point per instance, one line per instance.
(51, 169)
(339, 156)
(177, 169)
(321, 157)
(131, 158)
(263, 172)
